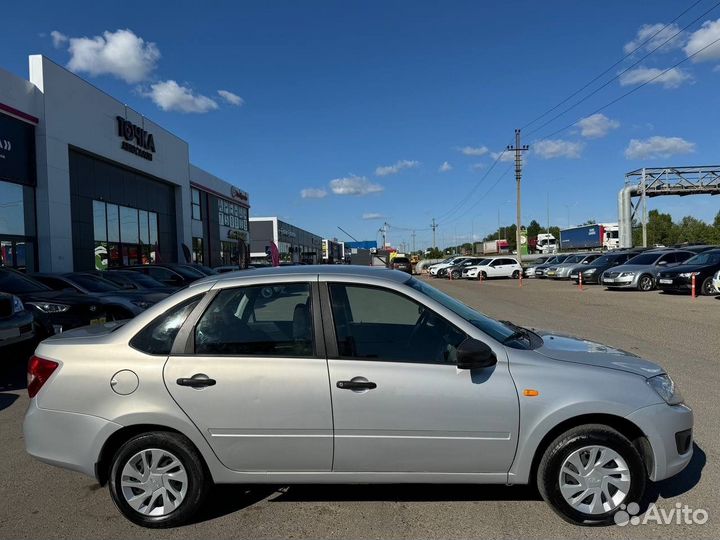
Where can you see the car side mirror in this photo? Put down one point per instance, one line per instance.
(474, 354)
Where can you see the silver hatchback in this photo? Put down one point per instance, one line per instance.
(641, 271)
(341, 374)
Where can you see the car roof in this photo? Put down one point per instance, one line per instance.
(325, 270)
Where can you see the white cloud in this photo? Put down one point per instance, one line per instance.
(474, 150)
(372, 215)
(120, 53)
(597, 125)
(655, 147)
(313, 193)
(709, 32)
(232, 99)
(503, 156)
(354, 185)
(477, 167)
(170, 96)
(672, 79)
(659, 36)
(396, 167)
(445, 167)
(556, 148)
(58, 38)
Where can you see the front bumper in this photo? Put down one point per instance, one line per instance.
(666, 428)
(587, 278)
(677, 283)
(16, 329)
(64, 439)
(620, 282)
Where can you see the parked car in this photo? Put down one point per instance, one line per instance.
(226, 268)
(171, 275)
(641, 271)
(716, 281)
(529, 270)
(16, 323)
(122, 303)
(563, 270)
(53, 311)
(455, 271)
(433, 268)
(592, 272)
(679, 278)
(204, 270)
(409, 367)
(402, 263)
(493, 267)
(134, 281)
(696, 248)
(552, 261)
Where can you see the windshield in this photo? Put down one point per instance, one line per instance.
(605, 259)
(94, 283)
(482, 262)
(574, 258)
(491, 327)
(188, 272)
(704, 258)
(13, 283)
(645, 258)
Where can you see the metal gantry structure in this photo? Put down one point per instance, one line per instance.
(656, 182)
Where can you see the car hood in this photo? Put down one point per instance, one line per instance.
(62, 297)
(682, 268)
(581, 351)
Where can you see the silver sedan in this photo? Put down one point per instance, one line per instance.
(345, 374)
(641, 271)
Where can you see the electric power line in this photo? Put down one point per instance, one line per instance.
(637, 48)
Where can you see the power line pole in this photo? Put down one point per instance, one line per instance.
(518, 149)
(413, 241)
(433, 227)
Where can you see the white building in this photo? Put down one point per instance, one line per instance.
(87, 182)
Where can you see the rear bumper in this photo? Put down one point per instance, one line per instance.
(68, 440)
(666, 428)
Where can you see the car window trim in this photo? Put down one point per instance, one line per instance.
(184, 344)
(329, 323)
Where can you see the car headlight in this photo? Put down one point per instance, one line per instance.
(17, 305)
(666, 389)
(686, 274)
(627, 274)
(142, 304)
(590, 271)
(50, 307)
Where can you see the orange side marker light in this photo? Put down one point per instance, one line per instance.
(529, 392)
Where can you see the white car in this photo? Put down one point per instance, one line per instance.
(494, 267)
(433, 269)
(716, 281)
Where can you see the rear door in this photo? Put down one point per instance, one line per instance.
(268, 408)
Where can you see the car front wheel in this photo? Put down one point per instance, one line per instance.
(646, 283)
(158, 480)
(708, 289)
(589, 472)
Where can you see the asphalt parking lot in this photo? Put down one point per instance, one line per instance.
(680, 333)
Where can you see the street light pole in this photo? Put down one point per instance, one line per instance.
(518, 149)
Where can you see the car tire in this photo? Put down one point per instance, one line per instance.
(707, 289)
(516, 274)
(646, 283)
(185, 479)
(456, 274)
(484, 275)
(558, 476)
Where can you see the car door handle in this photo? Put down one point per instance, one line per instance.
(197, 381)
(356, 385)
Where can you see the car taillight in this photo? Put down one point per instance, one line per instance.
(38, 372)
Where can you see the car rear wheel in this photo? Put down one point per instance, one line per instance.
(483, 275)
(589, 473)
(516, 274)
(646, 283)
(708, 289)
(456, 274)
(158, 480)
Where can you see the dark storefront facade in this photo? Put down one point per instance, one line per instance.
(17, 191)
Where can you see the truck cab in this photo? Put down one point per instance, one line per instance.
(546, 243)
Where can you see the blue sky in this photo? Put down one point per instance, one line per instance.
(377, 96)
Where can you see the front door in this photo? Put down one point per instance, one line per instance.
(399, 402)
(268, 408)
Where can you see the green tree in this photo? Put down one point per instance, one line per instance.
(533, 229)
(660, 229)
